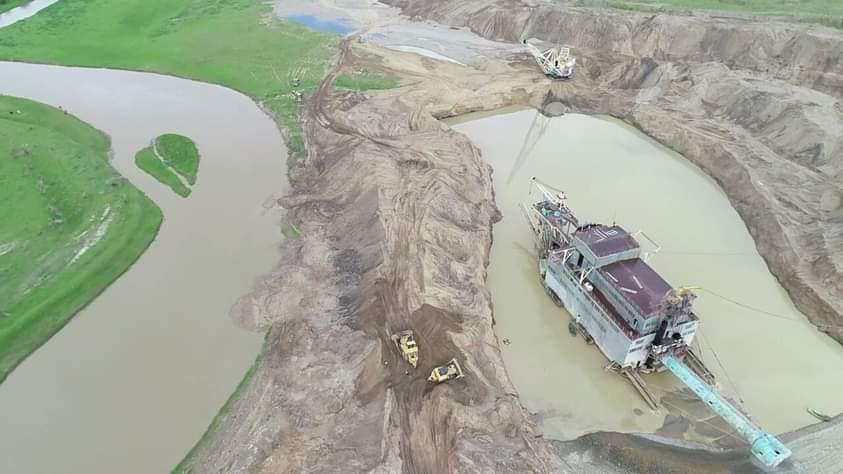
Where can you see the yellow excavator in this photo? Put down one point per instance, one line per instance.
(451, 370)
(406, 345)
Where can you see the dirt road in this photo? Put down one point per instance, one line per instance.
(395, 212)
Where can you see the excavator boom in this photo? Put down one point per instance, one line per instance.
(555, 62)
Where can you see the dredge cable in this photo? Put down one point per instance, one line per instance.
(764, 312)
(723, 368)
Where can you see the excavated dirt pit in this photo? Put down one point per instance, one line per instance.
(396, 212)
(613, 173)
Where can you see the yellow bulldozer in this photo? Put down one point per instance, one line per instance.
(451, 370)
(406, 345)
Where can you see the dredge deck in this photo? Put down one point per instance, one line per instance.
(599, 274)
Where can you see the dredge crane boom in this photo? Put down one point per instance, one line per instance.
(556, 63)
(766, 447)
(549, 192)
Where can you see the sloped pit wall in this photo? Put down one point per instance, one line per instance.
(755, 105)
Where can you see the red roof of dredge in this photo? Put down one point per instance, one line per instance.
(638, 283)
(603, 240)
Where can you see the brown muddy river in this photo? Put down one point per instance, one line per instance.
(133, 381)
(613, 173)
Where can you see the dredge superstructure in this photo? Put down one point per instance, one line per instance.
(556, 63)
(598, 273)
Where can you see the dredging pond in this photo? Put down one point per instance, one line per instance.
(774, 368)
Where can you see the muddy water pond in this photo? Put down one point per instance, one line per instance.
(611, 172)
(133, 381)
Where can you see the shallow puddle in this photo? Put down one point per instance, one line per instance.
(339, 26)
(613, 173)
(133, 381)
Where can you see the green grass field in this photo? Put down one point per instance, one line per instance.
(6, 5)
(828, 12)
(74, 227)
(235, 43)
(180, 153)
(363, 81)
(148, 161)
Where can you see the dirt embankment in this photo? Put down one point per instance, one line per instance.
(755, 105)
(395, 213)
(797, 53)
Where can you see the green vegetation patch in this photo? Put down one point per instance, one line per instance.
(70, 226)
(180, 153)
(173, 160)
(364, 80)
(290, 230)
(148, 161)
(828, 12)
(235, 43)
(6, 5)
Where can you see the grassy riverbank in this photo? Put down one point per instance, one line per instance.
(75, 225)
(827, 12)
(235, 43)
(186, 465)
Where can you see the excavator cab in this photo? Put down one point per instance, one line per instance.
(406, 345)
(443, 373)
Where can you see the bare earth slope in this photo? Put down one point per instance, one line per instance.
(755, 105)
(809, 56)
(395, 212)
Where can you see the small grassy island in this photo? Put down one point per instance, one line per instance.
(173, 160)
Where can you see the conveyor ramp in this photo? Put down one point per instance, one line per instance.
(766, 447)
